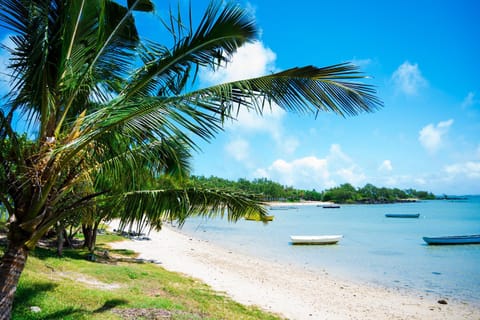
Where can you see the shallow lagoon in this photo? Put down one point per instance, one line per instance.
(375, 249)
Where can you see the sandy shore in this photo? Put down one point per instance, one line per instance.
(291, 291)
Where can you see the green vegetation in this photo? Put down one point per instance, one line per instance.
(120, 287)
(345, 193)
(110, 113)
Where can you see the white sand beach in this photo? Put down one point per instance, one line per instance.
(290, 291)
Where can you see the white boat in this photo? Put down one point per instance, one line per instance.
(325, 239)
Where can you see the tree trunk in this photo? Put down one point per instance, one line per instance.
(87, 235)
(60, 239)
(11, 267)
(68, 239)
(90, 235)
(94, 236)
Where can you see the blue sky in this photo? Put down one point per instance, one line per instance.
(423, 59)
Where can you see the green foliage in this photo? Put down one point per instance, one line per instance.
(74, 288)
(346, 193)
(110, 112)
(273, 191)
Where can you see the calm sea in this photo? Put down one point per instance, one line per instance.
(375, 249)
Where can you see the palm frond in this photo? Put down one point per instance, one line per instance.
(134, 166)
(153, 207)
(304, 90)
(222, 30)
(148, 119)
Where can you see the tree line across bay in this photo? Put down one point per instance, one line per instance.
(270, 190)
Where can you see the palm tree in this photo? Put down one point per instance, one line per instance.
(98, 100)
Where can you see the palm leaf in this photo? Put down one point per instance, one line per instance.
(222, 30)
(152, 207)
(304, 90)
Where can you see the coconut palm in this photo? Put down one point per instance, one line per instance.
(99, 101)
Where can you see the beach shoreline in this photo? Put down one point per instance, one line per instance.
(298, 203)
(290, 291)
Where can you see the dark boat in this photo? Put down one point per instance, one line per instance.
(402, 215)
(468, 239)
(331, 206)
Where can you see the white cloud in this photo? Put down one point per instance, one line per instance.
(408, 78)
(250, 60)
(467, 170)
(239, 149)
(298, 172)
(362, 63)
(315, 173)
(351, 175)
(431, 136)
(386, 166)
(253, 60)
(469, 100)
(336, 154)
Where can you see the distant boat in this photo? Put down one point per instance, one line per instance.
(256, 217)
(402, 215)
(325, 239)
(331, 206)
(467, 239)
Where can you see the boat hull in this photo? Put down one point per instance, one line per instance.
(402, 215)
(453, 240)
(257, 218)
(318, 240)
(331, 206)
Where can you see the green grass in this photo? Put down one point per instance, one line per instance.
(122, 287)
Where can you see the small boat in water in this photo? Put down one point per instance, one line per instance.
(402, 215)
(257, 217)
(325, 239)
(331, 206)
(467, 239)
(280, 208)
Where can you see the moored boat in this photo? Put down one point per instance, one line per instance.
(331, 206)
(253, 217)
(466, 239)
(402, 215)
(280, 208)
(325, 239)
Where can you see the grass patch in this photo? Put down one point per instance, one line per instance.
(121, 287)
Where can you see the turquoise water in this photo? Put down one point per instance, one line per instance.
(385, 251)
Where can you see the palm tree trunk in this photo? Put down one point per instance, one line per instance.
(60, 239)
(11, 267)
(87, 235)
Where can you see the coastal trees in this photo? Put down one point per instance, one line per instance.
(98, 101)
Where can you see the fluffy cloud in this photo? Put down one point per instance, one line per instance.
(250, 60)
(361, 62)
(469, 100)
(313, 172)
(408, 78)
(239, 149)
(431, 136)
(386, 166)
(253, 60)
(467, 170)
(299, 172)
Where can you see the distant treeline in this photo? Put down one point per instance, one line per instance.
(273, 191)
